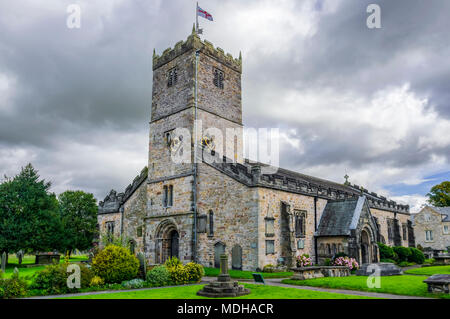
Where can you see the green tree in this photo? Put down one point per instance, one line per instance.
(79, 219)
(29, 218)
(439, 195)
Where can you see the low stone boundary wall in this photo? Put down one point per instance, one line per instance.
(302, 273)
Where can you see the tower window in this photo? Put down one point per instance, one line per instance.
(172, 77)
(168, 196)
(211, 223)
(218, 78)
(110, 230)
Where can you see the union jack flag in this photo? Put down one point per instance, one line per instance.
(204, 14)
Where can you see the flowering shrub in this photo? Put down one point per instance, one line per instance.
(351, 263)
(304, 261)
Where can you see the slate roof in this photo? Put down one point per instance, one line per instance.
(444, 211)
(339, 217)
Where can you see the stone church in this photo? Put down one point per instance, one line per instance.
(197, 210)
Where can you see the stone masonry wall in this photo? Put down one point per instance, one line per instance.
(224, 102)
(235, 208)
(102, 219)
(383, 216)
(179, 214)
(440, 240)
(134, 212)
(270, 205)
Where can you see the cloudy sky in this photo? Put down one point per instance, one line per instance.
(372, 103)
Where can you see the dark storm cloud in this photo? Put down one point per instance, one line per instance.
(80, 102)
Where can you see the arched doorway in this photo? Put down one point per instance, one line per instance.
(365, 247)
(236, 257)
(219, 249)
(167, 241)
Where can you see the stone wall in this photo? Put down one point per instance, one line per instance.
(383, 216)
(225, 102)
(134, 212)
(235, 208)
(179, 216)
(102, 219)
(270, 206)
(440, 240)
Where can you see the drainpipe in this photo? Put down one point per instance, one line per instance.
(315, 229)
(194, 186)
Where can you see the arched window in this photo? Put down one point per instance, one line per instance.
(211, 223)
(328, 250)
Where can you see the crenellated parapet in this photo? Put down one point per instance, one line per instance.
(251, 175)
(113, 201)
(194, 42)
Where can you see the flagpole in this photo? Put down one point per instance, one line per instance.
(196, 19)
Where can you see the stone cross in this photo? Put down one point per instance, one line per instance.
(224, 264)
(224, 276)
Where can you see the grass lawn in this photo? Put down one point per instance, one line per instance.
(27, 272)
(244, 274)
(189, 292)
(429, 271)
(398, 285)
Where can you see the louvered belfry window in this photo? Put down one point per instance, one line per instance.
(218, 78)
(172, 77)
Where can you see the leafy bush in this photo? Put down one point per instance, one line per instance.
(173, 262)
(405, 264)
(268, 268)
(351, 263)
(159, 276)
(416, 256)
(115, 264)
(53, 279)
(387, 261)
(14, 287)
(429, 261)
(386, 252)
(96, 281)
(341, 254)
(402, 252)
(133, 284)
(178, 275)
(195, 271)
(327, 262)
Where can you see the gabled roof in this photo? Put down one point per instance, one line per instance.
(444, 211)
(340, 217)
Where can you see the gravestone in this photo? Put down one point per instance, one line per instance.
(438, 283)
(223, 286)
(4, 262)
(386, 269)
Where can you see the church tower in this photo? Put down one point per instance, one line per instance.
(191, 81)
(175, 75)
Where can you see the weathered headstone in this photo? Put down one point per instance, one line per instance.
(384, 269)
(223, 287)
(438, 283)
